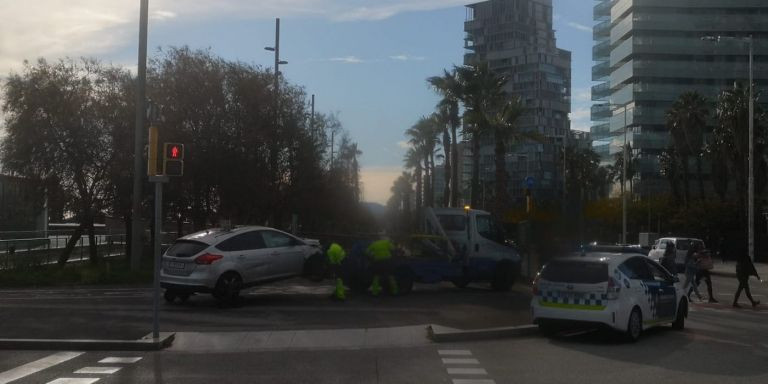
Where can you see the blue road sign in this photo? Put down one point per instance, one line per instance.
(529, 182)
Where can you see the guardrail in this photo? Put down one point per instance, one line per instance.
(36, 251)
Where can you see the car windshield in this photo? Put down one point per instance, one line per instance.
(575, 271)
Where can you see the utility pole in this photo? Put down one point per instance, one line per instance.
(624, 185)
(138, 139)
(751, 187)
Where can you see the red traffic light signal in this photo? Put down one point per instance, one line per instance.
(173, 159)
(174, 151)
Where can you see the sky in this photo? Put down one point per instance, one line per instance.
(366, 60)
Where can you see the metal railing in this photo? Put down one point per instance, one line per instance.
(32, 251)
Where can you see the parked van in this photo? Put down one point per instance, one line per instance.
(682, 245)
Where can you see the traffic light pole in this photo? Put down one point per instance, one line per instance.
(136, 227)
(159, 181)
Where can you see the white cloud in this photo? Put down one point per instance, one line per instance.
(55, 28)
(348, 60)
(404, 144)
(580, 27)
(582, 95)
(162, 15)
(404, 57)
(580, 113)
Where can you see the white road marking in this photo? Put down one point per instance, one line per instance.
(71, 380)
(119, 360)
(98, 370)
(460, 361)
(473, 381)
(454, 352)
(467, 371)
(36, 366)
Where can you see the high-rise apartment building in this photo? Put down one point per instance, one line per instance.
(648, 52)
(516, 37)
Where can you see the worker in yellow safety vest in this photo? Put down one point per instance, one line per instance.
(380, 253)
(335, 255)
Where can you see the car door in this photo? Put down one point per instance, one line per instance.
(286, 253)
(637, 273)
(251, 257)
(665, 298)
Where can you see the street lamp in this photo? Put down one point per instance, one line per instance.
(623, 175)
(751, 158)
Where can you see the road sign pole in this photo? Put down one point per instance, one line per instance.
(158, 180)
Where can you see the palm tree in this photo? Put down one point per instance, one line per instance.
(686, 121)
(668, 164)
(413, 161)
(424, 139)
(505, 132)
(451, 88)
(443, 120)
(618, 168)
(482, 95)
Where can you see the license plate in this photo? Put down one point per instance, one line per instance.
(175, 265)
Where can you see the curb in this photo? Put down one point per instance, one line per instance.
(146, 343)
(440, 334)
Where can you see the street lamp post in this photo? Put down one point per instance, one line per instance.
(274, 146)
(138, 139)
(623, 175)
(751, 157)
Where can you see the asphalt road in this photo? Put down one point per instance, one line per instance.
(125, 313)
(719, 345)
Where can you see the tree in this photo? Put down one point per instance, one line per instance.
(617, 169)
(731, 138)
(505, 132)
(62, 120)
(482, 91)
(424, 139)
(413, 161)
(450, 87)
(669, 167)
(686, 121)
(399, 205)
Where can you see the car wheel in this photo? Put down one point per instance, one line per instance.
(548, 329)
(634, 326)
(228, 287)
(315, 267)
(169, 296)
(503, 277)
(679, 322)
(184, 297)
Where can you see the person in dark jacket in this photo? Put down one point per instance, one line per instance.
(744, 269)
(668, 260)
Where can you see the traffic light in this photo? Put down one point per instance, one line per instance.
(173, 159)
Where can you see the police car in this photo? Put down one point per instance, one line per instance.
(625, 292)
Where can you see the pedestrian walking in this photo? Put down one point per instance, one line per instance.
(690, 271)
(704, 264)
(336, 255)
(668, 260)
(745, 269)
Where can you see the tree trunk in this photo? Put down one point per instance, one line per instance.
(455, 168)
(93, 250)
(432, 180)
(686, 181)
(501, 177)
(419, 190)
(475, 187)
(128, 236)
(64, 256)
(447, 169)
(699, 173)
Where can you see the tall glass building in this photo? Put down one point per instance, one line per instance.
(516, 37)
(648, 52)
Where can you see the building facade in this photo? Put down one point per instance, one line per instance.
(516, 37)
(648, 52)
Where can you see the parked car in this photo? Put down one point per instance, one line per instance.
(622, 291)
(223, 262)
(682, 245)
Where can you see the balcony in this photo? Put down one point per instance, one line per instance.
(601, 71)
(601, 51)
(602, 9)
(600, 112)
(601, 30)
(601, 92)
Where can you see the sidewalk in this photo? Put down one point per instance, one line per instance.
(728, 269)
